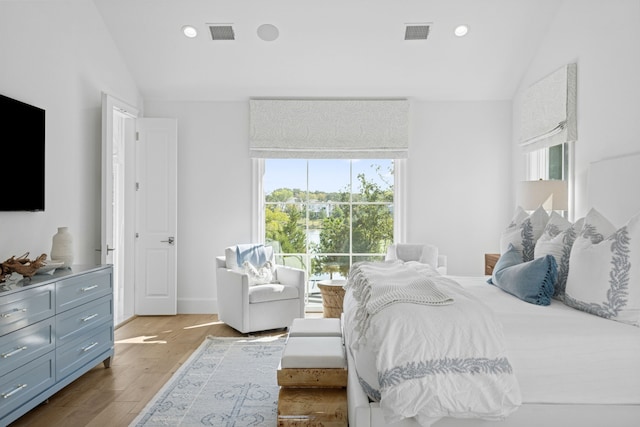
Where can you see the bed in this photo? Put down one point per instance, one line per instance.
(571, 367)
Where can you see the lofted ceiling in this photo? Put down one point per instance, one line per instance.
(328, 48)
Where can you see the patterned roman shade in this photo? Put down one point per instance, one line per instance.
(329, 128)
(549, 110)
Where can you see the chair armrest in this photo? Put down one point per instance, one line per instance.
(233, 288)
(291, 276)
(442, 264)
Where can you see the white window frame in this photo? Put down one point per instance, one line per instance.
(258, 205)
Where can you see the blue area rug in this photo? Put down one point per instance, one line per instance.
(228, 382)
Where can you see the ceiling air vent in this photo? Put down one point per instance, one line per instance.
(221, 32)
(416, 31)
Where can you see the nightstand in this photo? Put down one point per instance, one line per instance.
(490, 262)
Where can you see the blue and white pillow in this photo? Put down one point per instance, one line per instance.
(604, 273)
(531, 281)
(556, 240)
(523, 232)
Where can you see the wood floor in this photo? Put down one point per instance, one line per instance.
(148, 351)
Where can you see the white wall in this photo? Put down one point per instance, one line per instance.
(603, 38)
(458, 175)
(60, 57)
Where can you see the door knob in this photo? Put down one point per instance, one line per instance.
(169, 240)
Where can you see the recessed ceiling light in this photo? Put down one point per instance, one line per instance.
(268, 32)
(189, 31)
(461, 30)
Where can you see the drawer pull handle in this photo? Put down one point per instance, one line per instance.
(89, 288)
(11, 353)
(14, 391)
(89, 347)
(93, 316)
(5, 315)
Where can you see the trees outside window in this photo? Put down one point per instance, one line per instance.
(324, 215)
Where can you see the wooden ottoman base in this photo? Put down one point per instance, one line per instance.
(313, 407)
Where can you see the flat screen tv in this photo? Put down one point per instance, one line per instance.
(22, 152)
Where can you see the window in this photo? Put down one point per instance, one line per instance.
(323, 215)
(553, 163)
(549, 163)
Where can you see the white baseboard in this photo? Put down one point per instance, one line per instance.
(197, 306)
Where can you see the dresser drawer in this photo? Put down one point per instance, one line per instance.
(82, 350)
(75, 322)
(78, 290)
(26, 344)
(26, 382)
(21, 309)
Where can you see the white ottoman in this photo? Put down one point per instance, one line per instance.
(316, 327)
(313, 352)
(313, 380)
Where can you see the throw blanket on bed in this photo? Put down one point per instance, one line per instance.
(431, 360)
(380, 284)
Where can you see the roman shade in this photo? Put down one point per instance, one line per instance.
(549, 110)
(329, 128)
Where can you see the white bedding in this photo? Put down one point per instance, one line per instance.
(559, 355)
(428, 361)
(563, 355)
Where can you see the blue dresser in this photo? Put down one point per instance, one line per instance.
(53, 329)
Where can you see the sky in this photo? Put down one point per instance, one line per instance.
(324, 175)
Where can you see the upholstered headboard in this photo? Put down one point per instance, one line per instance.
(613, 187)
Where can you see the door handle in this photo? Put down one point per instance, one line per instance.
(108, 249)
(169, 240)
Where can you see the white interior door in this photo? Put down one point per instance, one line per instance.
(117, 235)
(156, 217)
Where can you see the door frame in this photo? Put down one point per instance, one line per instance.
(124, 273)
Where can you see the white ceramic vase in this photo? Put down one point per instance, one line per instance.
(62, 247)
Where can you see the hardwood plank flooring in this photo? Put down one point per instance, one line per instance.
(148, 350)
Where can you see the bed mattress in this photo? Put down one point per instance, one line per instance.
(559, 355)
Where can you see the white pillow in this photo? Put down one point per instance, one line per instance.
(258, 275)
(604, 273)
(523, 232)
(556, 240)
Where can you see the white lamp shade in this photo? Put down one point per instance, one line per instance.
(551, 194)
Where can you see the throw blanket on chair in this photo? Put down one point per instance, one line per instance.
(256, 255)
(438, 350)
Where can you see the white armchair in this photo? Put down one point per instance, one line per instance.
(421, 252)
(249, 307)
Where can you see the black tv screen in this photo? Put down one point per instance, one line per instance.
(22, 150)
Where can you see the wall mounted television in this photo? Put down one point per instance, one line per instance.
(22, 144)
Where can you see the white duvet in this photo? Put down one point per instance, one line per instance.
(431, 360)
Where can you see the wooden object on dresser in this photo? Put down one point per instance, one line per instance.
(53, 329)
(490, 261)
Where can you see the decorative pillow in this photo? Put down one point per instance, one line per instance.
(604, 278)
(557, 239)
(531, 281)
(258, 275)
(523, 232)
